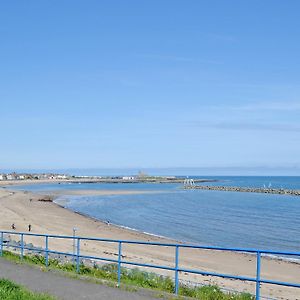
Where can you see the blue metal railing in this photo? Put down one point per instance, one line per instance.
(176, 269)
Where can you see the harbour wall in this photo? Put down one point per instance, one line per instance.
(246, 189)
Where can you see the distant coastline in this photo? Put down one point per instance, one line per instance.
(91, 179)
(197, 183)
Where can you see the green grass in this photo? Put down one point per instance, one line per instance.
(134, 277)
(11, 291)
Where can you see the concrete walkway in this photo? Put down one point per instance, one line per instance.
(64, 287)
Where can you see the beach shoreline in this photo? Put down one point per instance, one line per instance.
(165, 238)
(52, 218)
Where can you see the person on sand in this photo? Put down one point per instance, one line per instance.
(13, 226)
(29, 227)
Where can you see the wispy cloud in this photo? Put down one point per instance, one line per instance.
(261, 106)
(248, 126)
(177, 58)
(275, 106)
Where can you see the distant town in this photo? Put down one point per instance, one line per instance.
(53, 176)
(26, 176)
(140, 177)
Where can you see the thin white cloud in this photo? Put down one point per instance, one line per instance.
(261, 106)
(248, 126)
(177, 58)
(275, 106)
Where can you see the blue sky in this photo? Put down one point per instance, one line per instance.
(101, 84)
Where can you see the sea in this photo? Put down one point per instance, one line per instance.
(213, 218)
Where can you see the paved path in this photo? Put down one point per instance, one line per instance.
(64, 287)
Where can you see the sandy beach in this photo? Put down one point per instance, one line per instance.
(23, 208)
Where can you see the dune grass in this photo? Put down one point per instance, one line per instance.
(11, 291)
(134, 277)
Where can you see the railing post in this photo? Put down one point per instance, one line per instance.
(257, 294)
(22, 245)
(119, 263)
(176, 269)
(47, 251)
(78, 256)
(1, 249)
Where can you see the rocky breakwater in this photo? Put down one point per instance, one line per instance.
(246, 189)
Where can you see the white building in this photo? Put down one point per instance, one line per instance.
(128, 178)
(61, 177)
(10, 177)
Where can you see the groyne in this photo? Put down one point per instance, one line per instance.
(246, 189)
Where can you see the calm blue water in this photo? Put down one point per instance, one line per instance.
(205, 217)
(286, 182)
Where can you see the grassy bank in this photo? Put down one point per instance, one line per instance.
(11, 291)
(133, 277)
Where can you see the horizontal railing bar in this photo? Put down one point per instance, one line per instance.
(32, 249)
(24, 247)
(40, 250)
(288, 284)
(244, 278)
(12, 246)
(60, 252)
(40, 235)
(247, 250)
(98, 258)
(147, 265)
(131, 242)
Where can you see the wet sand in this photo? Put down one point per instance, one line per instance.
(48, 217)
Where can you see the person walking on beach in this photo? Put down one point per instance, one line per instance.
(29, 227)
(13, 226)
